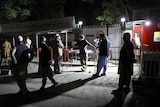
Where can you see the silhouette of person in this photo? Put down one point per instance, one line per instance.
(20, 65)
(104, 50)
(125, 68)
(58, 54)
(82, 44)
(45, 68)
(6, 51)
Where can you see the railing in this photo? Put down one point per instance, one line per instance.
(114, 56)
(151, 65)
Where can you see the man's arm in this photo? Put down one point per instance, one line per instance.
(90, 44)
(13, 55)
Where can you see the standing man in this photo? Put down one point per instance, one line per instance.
(6, 51)
(45, 68)
(20, 65)
(82, 44)
(125, 69)
(58, 54)
(104, 50)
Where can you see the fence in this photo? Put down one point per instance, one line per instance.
(151, 65)
(114, 56)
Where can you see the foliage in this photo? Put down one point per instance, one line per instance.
(17, 9)
(22, 10)
(113, 11)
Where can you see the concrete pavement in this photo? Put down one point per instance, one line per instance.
(75, 88)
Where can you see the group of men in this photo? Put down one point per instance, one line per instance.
(126, 59)
(103, 46)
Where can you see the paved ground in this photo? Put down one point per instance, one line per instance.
(75, 89)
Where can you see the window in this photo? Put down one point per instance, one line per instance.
(156, 37)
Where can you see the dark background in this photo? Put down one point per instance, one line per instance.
(81, 10)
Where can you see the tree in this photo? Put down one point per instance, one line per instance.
(114, 10)
(26, 10)
(16, 10)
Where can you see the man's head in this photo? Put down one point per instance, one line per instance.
(126, 36)
(20, 38)
(58, 37)
(102, 35)
(44, 39)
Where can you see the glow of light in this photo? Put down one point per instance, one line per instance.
(147, 23)
(80, 23)
(123, 19)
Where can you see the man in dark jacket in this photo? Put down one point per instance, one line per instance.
(126, 59)
(104, 50)
(20, 65)
(82, 44)
(45, 68)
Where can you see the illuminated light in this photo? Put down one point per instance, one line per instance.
(123, 19)
(80, 22)
(147, 23)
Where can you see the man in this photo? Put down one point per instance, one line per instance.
(6, 48)
(126, 59)
(20, 65)
(82, 44)
(58, 54)
(104, 50)
(45, 69)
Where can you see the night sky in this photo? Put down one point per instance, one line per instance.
(81, 10)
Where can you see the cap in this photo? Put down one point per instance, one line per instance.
(44, 39)
(57, 35)
(20, 38)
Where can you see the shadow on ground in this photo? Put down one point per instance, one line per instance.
(14, 100)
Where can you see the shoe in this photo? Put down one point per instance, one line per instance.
(41, 90)
(117, 91)
(57, 72)
(23, 93)
(95, 75)
(103, 74)
(83, 69)
(55, 84)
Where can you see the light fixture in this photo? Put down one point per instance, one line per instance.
(123, 19)
(80, 23)
(147, 23)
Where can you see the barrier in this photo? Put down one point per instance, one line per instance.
(151, 65)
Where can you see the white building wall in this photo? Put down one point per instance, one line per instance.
(115, 35)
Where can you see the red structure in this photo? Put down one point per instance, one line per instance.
(148, 34)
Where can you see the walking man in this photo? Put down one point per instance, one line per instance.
(45, 68)
(20, 65)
